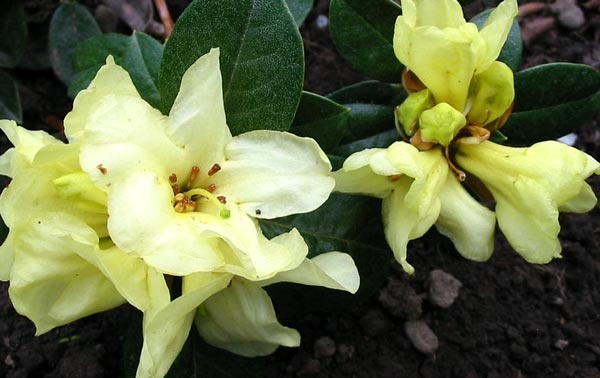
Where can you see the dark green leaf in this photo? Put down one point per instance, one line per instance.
(13, 32)
(381, 140)
(553, 84)
(363, 32)
(70, 24)
(299, 9)
(139, 54)
(552, 100)
(366, 120)
(10, 103)
(346, 223)
(527, 127)
(262, 59)
(36, 56)
(512, 51)
(321, 119)
(370, 92)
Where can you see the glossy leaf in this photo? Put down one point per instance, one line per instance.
(10, 103)
(261, 55)
(321, 119)
(512, 51)
(362, 32)
(381, 140)
(552, 100)
(13, 32)
(370, 92)
(299, 9)
(366, 120)
(70, 25)
(345, 223)
(139, 54)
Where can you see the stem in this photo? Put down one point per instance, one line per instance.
(165, 16)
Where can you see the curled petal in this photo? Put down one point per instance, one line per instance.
(466, 222)
(273, 174)
(366, 172)
(495, 31)
(242, 320)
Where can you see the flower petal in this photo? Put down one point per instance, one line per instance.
(125, 134)
(111, 79)
(495, 31)
(167, 326)
(143, 222)
(443, 14)
(49, 282)
(273, 174)
(466, 222)
(199, 110)
(242, 320)
(334, 270)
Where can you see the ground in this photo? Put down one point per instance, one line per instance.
(510, 319)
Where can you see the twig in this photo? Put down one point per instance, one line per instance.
(165, 16)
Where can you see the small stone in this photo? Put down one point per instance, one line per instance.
(344, 353)
(374, 323)
(568, 13)
(443, 288)
(401, 300)
(421, 336)
(322, 22)
(561, 344)
(324, 347)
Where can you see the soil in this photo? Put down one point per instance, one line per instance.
(509, 319)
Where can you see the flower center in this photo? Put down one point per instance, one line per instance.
(189, 198)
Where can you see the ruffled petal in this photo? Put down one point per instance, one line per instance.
(167, 325)
(242, 320)
(334, 270)
(199, 110)
(143, 222)
(366, 172)
(495, 31)
(273, 174)
(111, 79)
(49, 282)
(124, 134)
(466, 222)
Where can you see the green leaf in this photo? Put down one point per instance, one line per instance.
(381, 140)
(366, 120)
(512, 51)
(552, 100)
(262, 59)
(299, 9)
(345, 223)
(321, 119)
(13, 33)
(363, 32)
(70, 24)
(10, 103)
(139, 54)
(370, 92)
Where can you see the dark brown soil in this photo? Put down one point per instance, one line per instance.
(511, 318)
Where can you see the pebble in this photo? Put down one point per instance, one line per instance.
(322, 22)
(421, 336)
(324, 347)
(568, 13)
(401, 300)
(344, 352)
(311, 366)
(443, 288)
(561, 344)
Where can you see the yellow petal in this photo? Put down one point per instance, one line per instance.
(492, 93)
(441, 124)
(495, 31)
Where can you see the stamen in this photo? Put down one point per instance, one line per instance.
(394, 178)
(459, 174)
(222, 199)
(176, 189)
(102, 169)
(179, 197)
(173, 178)
(214, 169)
(193, 175)
(211, 188)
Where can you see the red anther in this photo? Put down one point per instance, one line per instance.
(211, 188)
(102, 169)
(176, 189)
(394, 178)
(222, 199)
(215, 168)
(194, 174)
(257, 212)
(173, 178)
